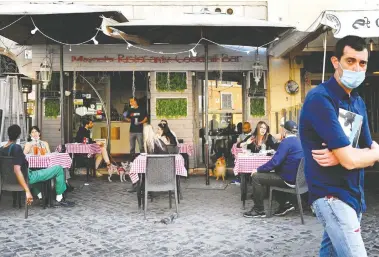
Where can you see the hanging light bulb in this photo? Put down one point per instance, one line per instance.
(34, 30)
(247, 52)
(95, 41)
(193, 52)
(70, 49)
(129, 46)
(371, 45)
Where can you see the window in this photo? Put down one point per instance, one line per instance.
(226, 101)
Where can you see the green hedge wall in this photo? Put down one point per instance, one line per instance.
(257, 107)
(178, 82)
(171, 107)
(52, 108)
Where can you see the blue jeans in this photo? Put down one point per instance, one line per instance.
(342, 232)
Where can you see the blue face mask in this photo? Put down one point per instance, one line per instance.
(352, 79)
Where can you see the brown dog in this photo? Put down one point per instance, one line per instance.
(220, 169)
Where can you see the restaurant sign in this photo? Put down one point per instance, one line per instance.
(358, 23)
(154, 59)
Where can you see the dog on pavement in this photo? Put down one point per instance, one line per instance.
(220, 169)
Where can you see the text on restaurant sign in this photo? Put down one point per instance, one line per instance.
(152, 59)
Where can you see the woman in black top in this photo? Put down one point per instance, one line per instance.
(153, 145)
(261, 136)
(166, 134)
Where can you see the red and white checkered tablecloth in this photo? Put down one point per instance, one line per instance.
(81, 148)
(49, 160)
(139, 166)
(246, 164)
(186, 148)
(235, 150)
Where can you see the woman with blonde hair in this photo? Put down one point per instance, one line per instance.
(152, 144)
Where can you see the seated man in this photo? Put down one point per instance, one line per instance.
(285, 162)
(84, 132)
(55, 172)
(246, 134)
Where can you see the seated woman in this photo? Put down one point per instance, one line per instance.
(34, 140)
(164, 122)
(84, 132)
(152, 143)
(261, 136)
(166, 135)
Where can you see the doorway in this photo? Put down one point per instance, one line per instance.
(225, 112)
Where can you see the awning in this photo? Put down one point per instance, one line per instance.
(190, 27)
(67, 23)
(363, 23)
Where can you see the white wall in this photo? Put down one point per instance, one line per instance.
(143, 9)
(302, 13)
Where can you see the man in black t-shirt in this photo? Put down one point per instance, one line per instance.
(19, 161)
(137, 116)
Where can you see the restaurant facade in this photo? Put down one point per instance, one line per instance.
(170, 86)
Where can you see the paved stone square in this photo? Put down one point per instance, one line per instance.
(106, 222)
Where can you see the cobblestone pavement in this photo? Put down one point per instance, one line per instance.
(106, 222)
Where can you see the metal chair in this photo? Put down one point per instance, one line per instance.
(9, 180)
(301, 188)
(161, 176)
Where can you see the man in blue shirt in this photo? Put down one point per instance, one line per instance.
(333, 167)
(285, 162)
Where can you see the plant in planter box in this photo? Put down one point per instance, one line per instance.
(52, 108)
(171, 107)
(177, 81)
(257, 107)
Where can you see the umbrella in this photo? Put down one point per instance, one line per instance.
(218, 27)
(67, 23)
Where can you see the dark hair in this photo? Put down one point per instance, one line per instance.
(357, 43)
(85, 122)
(167, 133)
(239, 127)
(14, 131)
(165, 129)
(165, 121)
(30, 131)
(255, 133)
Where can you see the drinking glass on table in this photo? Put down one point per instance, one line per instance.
(42, 151)
(35, 150)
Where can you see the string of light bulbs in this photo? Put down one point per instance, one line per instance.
(191, 51)
(10, 24)
(62, 43)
